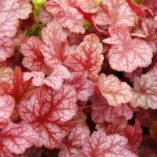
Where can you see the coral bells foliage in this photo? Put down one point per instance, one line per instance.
(78, 78)
(48, 111)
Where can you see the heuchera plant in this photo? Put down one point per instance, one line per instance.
(78, 78)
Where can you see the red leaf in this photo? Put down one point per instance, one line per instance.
(18, 82)
(20, 88)
(134, 135)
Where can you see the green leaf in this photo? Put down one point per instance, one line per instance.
(37, 5)
(36, 30)
(98, 1)
(86, 25)
(138, 2)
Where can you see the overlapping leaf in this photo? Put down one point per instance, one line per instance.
(87, 59)
(126, 54)
(102, 112)
(54, 80)
(67, 15)
(116, 12)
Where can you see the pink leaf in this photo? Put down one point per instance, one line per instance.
(54, 7)
(89, 6)
(84, 87)
(66, 15)
(87, 59)
(44, 16)
(116, 12)
(20, 8)
(55, 80)
(101, 145)
(115, 91)
(102, 112)
(33, 57)
(6, 48)
(55, 49)
(131, 53)
(16, 138)
(7, 104)
(8, 24)
(72, 20)
(72, 146)
(149, 27)
(47, 111)
(145, 92)
(37, 77)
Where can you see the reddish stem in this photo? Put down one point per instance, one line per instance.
(89, 18)
(136, 8)
(141, 11)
